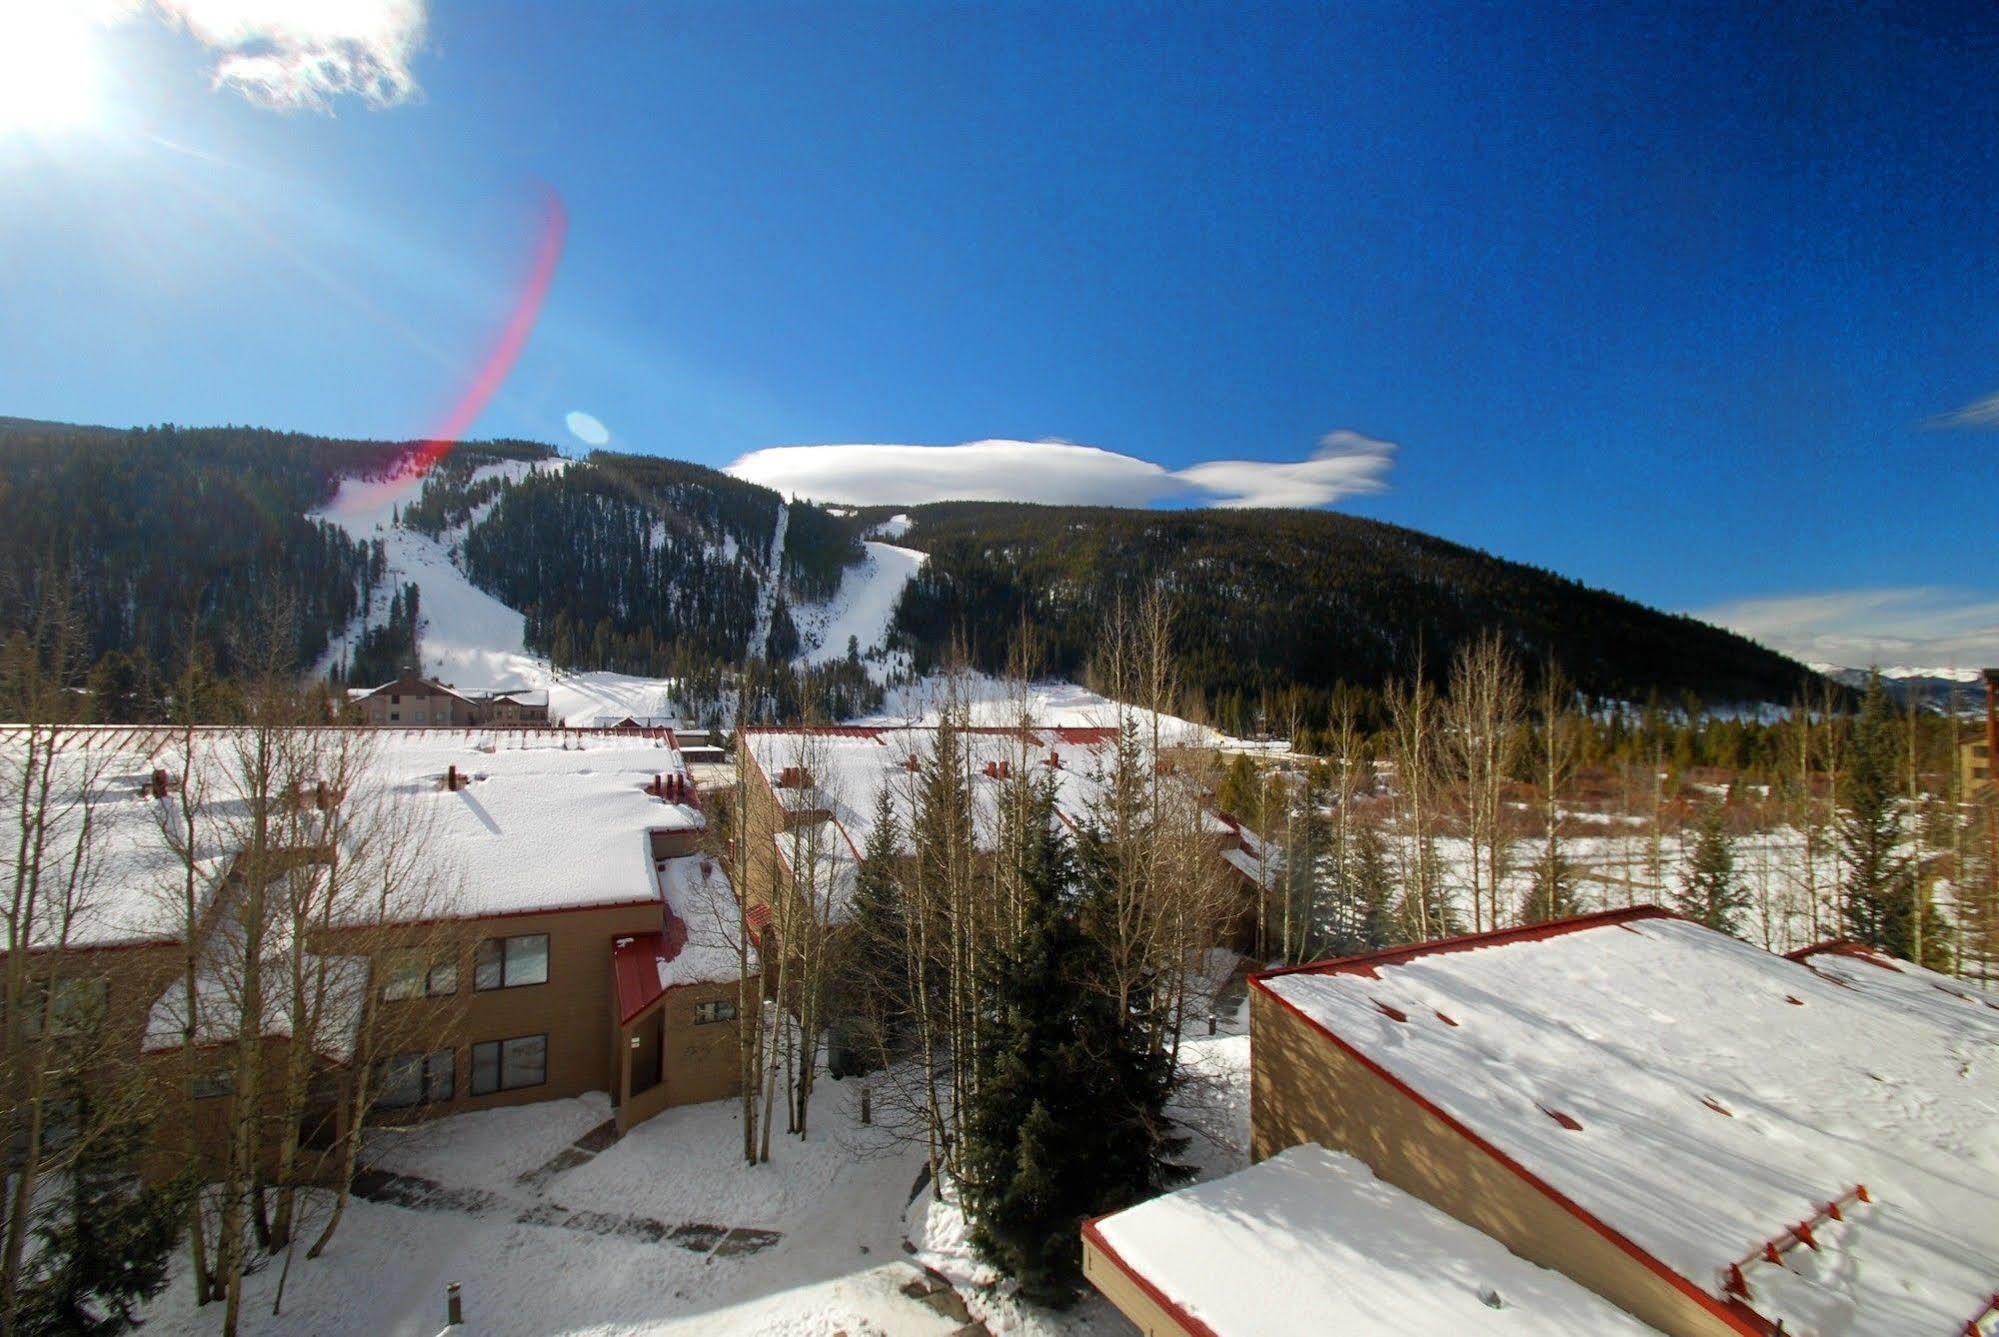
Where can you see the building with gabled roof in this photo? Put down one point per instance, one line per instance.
(1711, 1137)
(563, 850)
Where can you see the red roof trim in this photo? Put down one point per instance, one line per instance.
(1859, 951)
(1086, 736)
(1365, 963)
(1193, 1325)
(1738, 1317)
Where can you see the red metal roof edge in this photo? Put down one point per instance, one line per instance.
(1466, 942)
(1740, 1318)
(1859, 951)
(1193, 1325)
(647, 950)
(874, 731)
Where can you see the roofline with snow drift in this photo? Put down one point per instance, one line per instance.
(1364, 963)
(1738, 1316)
(1859, 951)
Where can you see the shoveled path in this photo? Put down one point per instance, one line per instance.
(422, 1194)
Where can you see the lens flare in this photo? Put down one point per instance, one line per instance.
(506, 348)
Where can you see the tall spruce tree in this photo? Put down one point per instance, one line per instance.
(1069, 1121)
(107, 1239)
(1710, 891)
(1882, 884)
(871, 1003)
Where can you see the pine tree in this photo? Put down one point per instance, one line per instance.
(1554, 892)
(871, 987)
(107, 1243)
(1881, 885)
(1710, 892)
(1369, 896)
(1069, 1121)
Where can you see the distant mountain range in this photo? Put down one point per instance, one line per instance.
(654, 567)
(1934, 687)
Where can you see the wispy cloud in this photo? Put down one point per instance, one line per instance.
(1058, 473)
(1979, 413)
(293, 55)
(1909, 626)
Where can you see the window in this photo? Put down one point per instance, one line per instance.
(707, 1013)
(418, 1079)
(509, 963)
(508, 1065)
(395, 714)
(405, 976)
(210, 1085)
(71, 1003)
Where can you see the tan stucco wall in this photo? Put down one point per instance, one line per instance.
(573, 1008)
(699, 1062)
(1305, 1088)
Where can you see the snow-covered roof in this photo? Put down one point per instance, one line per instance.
(335, 998)
(542, 820)
(844, 769)
(1700, 1097)
(696, 945)
(129, 878)
(1310, 1241)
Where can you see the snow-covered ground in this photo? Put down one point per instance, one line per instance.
(1050, 703)
(471, 640)
(590, 1261)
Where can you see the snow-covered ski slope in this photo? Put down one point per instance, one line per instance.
(864, 605)
(470, 639)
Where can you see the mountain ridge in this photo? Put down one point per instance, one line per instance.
(642, 565)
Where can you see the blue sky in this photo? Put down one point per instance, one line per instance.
(1674, 301)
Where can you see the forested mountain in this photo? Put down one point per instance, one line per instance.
(665, 569)
(159, 532)
(1271, 601)
(634, 563)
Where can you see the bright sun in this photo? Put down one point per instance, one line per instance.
(49, 69)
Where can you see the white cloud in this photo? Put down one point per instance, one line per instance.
(1911, 626)
(1979, 413)
(1059, 473)
(302, 54)
(586, 428)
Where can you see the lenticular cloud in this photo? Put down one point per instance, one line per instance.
(1057, 473)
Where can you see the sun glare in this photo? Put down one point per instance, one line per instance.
(49, 72)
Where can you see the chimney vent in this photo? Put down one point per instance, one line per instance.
(159, 782)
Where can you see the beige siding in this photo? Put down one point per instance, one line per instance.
(1146, 1314)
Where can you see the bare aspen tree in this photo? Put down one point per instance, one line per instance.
(1485, 707)
(52, 785)
(393, 898)
(1414, 750)
(1557, 747)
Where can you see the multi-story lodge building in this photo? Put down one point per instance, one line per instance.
(416, 702)
(547, 925)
